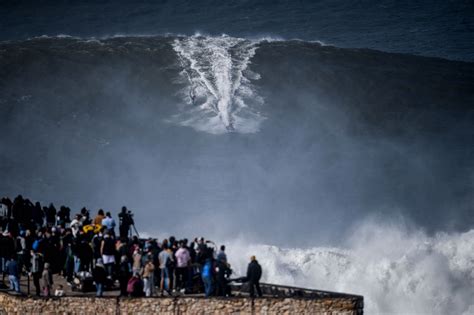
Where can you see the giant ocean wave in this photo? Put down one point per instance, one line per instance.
(260, 137)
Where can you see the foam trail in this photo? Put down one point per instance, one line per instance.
(398, 272)
(218, 93)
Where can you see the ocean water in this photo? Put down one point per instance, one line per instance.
(326, 130)
(430, 28)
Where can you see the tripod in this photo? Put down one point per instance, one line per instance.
(132, 229)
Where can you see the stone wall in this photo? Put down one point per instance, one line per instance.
(10, 304)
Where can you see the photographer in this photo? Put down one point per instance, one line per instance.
(126, 220)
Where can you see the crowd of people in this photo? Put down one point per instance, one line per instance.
(40, 241)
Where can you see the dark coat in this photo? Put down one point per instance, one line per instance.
(99, 274)
(254, 272)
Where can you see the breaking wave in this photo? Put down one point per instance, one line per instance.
(397, 271)
(220, 96)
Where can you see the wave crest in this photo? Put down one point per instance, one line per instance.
(219, 92)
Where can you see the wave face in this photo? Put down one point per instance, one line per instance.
(270, 126)
(285, 142)
(220, 92)
(397, 271)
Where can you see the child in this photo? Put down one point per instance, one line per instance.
(47, 280)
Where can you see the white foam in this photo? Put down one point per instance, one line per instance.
(397, 271)
(219, 93)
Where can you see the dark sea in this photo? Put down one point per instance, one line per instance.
(429, 28)
(342, 132)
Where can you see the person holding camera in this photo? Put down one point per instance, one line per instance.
(125, 221)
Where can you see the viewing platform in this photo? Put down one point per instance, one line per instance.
(277, 299)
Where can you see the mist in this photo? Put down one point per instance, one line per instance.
(104, 123)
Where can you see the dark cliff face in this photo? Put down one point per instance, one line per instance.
(346, 134)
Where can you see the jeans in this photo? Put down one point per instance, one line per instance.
(100, 289)
(149, 286)
(77, 264)
(165, 279)
(14, 283)
(207, 285)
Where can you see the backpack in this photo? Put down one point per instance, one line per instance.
(36, 245)
(131, 284)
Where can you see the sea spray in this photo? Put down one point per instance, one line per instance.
(396, 270)
(219, 92)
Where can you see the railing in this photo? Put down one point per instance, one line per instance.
(277, 290)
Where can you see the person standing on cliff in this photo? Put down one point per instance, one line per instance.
(99, 217)
(165, 258)
(47, 278)
(148, 278)
(109, 223)
(100, 277)
(37, 266)
(254, 273)
(183, 260)
(108, 251)
(13, 274)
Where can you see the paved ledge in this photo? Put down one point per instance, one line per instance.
(325, 303)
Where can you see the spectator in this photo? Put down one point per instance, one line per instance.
(165, 259)
(221, 256)
(100, 277)
(137, 261)
(50, 215)
(99, 217)
(124, 275)
(47, 278)
(46, 247)
(223, 273)
(183, 260)
(37, 266)
(109, 223)
(125, 220)
(254, 273)
(108, 253)
(207, 275)
(76, 224)
(148, 278)
(13, 274)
